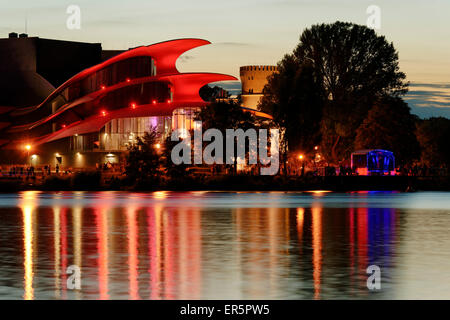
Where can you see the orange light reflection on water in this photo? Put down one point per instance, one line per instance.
(28, 204)
(57, 249)
(101, 220)
(317, 249)
(132, 254)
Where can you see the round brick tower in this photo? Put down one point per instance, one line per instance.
(253, 79)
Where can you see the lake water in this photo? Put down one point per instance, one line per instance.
(224, 245)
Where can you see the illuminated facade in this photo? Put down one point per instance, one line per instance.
(99, 111)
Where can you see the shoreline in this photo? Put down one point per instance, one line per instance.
(237, 183)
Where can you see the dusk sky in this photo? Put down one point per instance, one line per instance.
(251, 32)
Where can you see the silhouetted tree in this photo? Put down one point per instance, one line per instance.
(294, 97)
(349, 68)
(172, 170)
(434, 137)
(143, 159)
(225, 115)
(357, 67)
(208, 93)
(389, 125)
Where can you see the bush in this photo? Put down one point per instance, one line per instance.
(89, 180)
(56, 183)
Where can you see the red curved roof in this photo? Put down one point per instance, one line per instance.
(164, 53)
(186, 88)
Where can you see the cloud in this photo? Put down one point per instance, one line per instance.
(429, 99)
(185, 58)
(234, 87)
(425, 99)
(112, 22)
(234, 44)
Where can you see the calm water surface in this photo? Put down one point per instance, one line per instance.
(224, 245)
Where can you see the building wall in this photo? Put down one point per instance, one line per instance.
(35, 67)
(57, 60)
(253, 79)
(19, 53)
(20, 84)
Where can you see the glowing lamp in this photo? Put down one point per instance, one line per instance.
(300, 157)
(103, 113)
(154, 101)
(128, 79)
(133, 105)
(103, 87)
(28, 147)
(169, 101)
(157, 146)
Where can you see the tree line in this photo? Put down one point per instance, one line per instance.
(342, 88)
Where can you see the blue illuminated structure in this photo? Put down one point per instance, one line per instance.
(373, 162)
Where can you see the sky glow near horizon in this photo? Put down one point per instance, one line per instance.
(246, 32)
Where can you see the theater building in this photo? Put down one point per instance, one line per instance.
(92, 117)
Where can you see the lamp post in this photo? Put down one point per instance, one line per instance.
(300, 157)
(28, 148)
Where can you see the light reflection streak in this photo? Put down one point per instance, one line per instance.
(64, 250)
(101, 219)
(77, 242)
(253, 224)
(154, 239)
(169, 256)
(160, 195)
(192, 266)
(28, 205)
(263, 240)
(274, 245)
(319, 193)
(132, 254)
(300, 220)
(57, 249)
(362, 237)
(317, 249)
(352, 244)
(183, 229)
